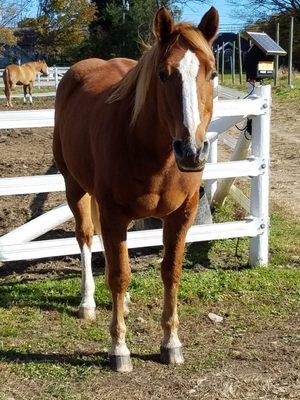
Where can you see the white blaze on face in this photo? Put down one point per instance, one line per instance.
(188, 68)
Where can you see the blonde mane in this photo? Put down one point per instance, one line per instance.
(137, 81)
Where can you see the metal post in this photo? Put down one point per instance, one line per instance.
(56, 77)
(276, 57)
(211, 186)
(259, 205)
(291, 53)
(223, 63)
(218, 59)
(233, 62)
(240, 59)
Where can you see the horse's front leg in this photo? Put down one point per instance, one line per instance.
(25, 93)
(175, 229)
(114, 231)
(30, 86)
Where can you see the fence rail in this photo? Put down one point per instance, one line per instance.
(16, 245)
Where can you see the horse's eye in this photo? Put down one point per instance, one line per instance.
(163, 76)
(214, 75)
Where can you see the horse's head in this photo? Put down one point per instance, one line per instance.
(43, 67)
(185, 73)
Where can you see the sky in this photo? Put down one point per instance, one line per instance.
(194, 11)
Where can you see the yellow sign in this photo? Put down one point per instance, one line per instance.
(265, 66)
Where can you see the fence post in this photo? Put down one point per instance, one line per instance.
(240, 59)
(211, 186)
(223, 63)
(56, 77)
(218, 59)
(259, 199)
(233, 62)
(290, 73)
(276, 57)
(240, 153)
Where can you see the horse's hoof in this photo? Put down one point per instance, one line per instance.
(120, 363)
(87, 313)
(171, 356)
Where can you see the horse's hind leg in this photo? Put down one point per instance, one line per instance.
(175, 229)
(80, 204)
(7, 92)
(25, 93)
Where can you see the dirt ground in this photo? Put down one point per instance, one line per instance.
(257, 363)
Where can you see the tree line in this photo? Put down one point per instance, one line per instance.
(65, 31)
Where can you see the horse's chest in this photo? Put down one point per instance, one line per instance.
(157, 200)
(157, 205)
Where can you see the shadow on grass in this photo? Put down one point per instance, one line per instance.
(76, 359)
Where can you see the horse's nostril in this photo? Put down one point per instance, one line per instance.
(177, 145)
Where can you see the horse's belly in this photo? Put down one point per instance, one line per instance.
(157, 205)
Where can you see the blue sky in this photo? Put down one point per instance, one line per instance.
(194, 11)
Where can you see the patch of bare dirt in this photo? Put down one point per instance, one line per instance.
(38, 102)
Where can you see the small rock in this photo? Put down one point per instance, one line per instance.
(198, 267)
(192, 391)
(141, 320)
(4, 139)
(215, 318)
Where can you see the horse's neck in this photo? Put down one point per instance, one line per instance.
(33, 65)
(150, 132)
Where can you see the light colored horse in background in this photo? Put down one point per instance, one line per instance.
(22, 75)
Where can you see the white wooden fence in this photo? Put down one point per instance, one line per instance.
(17, 245)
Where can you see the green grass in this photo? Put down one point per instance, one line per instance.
(42, 340)
(43, 89)
(281, 92)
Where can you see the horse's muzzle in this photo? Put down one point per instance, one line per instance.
(190, 158)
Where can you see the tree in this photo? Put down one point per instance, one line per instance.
(258, 9)
(113, 37)
(10, 12)
(62, 28)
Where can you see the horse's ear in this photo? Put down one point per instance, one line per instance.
(209, 24)
(163, 25)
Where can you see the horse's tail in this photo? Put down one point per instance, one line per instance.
(95, 214)
(8, 83)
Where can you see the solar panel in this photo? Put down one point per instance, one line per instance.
(266, 44)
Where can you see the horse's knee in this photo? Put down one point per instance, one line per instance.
(84, 234)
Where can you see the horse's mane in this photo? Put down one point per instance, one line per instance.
(137, 81)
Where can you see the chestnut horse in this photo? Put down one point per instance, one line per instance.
(25, 75)
(129, 139)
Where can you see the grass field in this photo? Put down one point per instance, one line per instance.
(280, 92)
(46, 352)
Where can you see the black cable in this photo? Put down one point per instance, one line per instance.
(249, 94)
(245, 127)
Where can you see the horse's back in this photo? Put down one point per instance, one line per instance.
(19, 74)
(91, 77)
